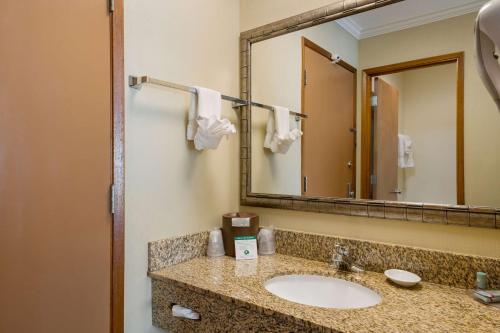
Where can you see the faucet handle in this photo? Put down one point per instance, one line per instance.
(336, 260)
(342, 249)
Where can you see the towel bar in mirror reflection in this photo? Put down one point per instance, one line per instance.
(136, 82)
(401, 75)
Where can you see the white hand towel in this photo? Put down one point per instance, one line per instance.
(405, 152)
(209, 137)
(279, 136)
(205, 125)
(270, 129)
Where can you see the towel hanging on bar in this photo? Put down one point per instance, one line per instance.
(279, 135)
(205, 126)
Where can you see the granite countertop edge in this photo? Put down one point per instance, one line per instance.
(195, 274)
(231, 299)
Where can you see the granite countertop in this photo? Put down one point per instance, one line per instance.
(426, 307)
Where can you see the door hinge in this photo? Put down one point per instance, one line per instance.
(305, 77)
(112, 198)
(111, 6)
(374, 100)
(373, 180)
(305, 184)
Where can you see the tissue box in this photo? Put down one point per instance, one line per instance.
(238, 225)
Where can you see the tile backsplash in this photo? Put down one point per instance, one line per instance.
(452, 269)
(447, 268)
(171, 251)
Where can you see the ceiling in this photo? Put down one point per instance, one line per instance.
(406, 14)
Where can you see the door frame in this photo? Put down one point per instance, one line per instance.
(315, 47)
(366, 121)
(118, 192)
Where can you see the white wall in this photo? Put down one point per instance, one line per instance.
(276, 80)
(171, 189)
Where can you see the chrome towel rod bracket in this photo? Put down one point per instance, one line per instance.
(136, 82)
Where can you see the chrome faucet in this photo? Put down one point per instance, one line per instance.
(341, 260)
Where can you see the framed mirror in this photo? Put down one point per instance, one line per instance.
(394, 120)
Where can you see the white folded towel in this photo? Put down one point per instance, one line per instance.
(279, 136)
(205, 125)
(405, 152)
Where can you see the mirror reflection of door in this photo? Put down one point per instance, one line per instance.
(385, 108)
(415, 154)
(328, 143)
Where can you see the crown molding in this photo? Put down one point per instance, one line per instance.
(351, 26)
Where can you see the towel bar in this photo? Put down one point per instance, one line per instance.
(136, 82)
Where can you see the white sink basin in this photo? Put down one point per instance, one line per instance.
(322, 291)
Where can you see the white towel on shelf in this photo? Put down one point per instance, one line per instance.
(205, 126)
(279, 136)
(405, 152)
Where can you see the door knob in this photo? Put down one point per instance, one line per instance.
(349, 164)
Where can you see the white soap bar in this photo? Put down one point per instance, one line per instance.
(245, 247)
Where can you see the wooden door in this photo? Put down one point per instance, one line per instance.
(385, 149)
(55, 166)
(328, 143)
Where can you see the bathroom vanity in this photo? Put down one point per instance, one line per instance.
(230, 295)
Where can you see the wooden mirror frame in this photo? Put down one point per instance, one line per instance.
(488, 217)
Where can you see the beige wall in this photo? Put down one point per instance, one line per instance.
(255, 13)
(276, 80)
(449, 238)
(427, 113)
(171, 188)
(476, 241)
(482, 120)
(428, 116)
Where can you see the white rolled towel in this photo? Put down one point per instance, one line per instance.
(405, 152)
(205, 126)
(279, 135)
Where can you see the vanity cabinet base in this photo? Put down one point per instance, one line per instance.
(216, 315)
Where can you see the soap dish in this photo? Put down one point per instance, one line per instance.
(402, 278)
